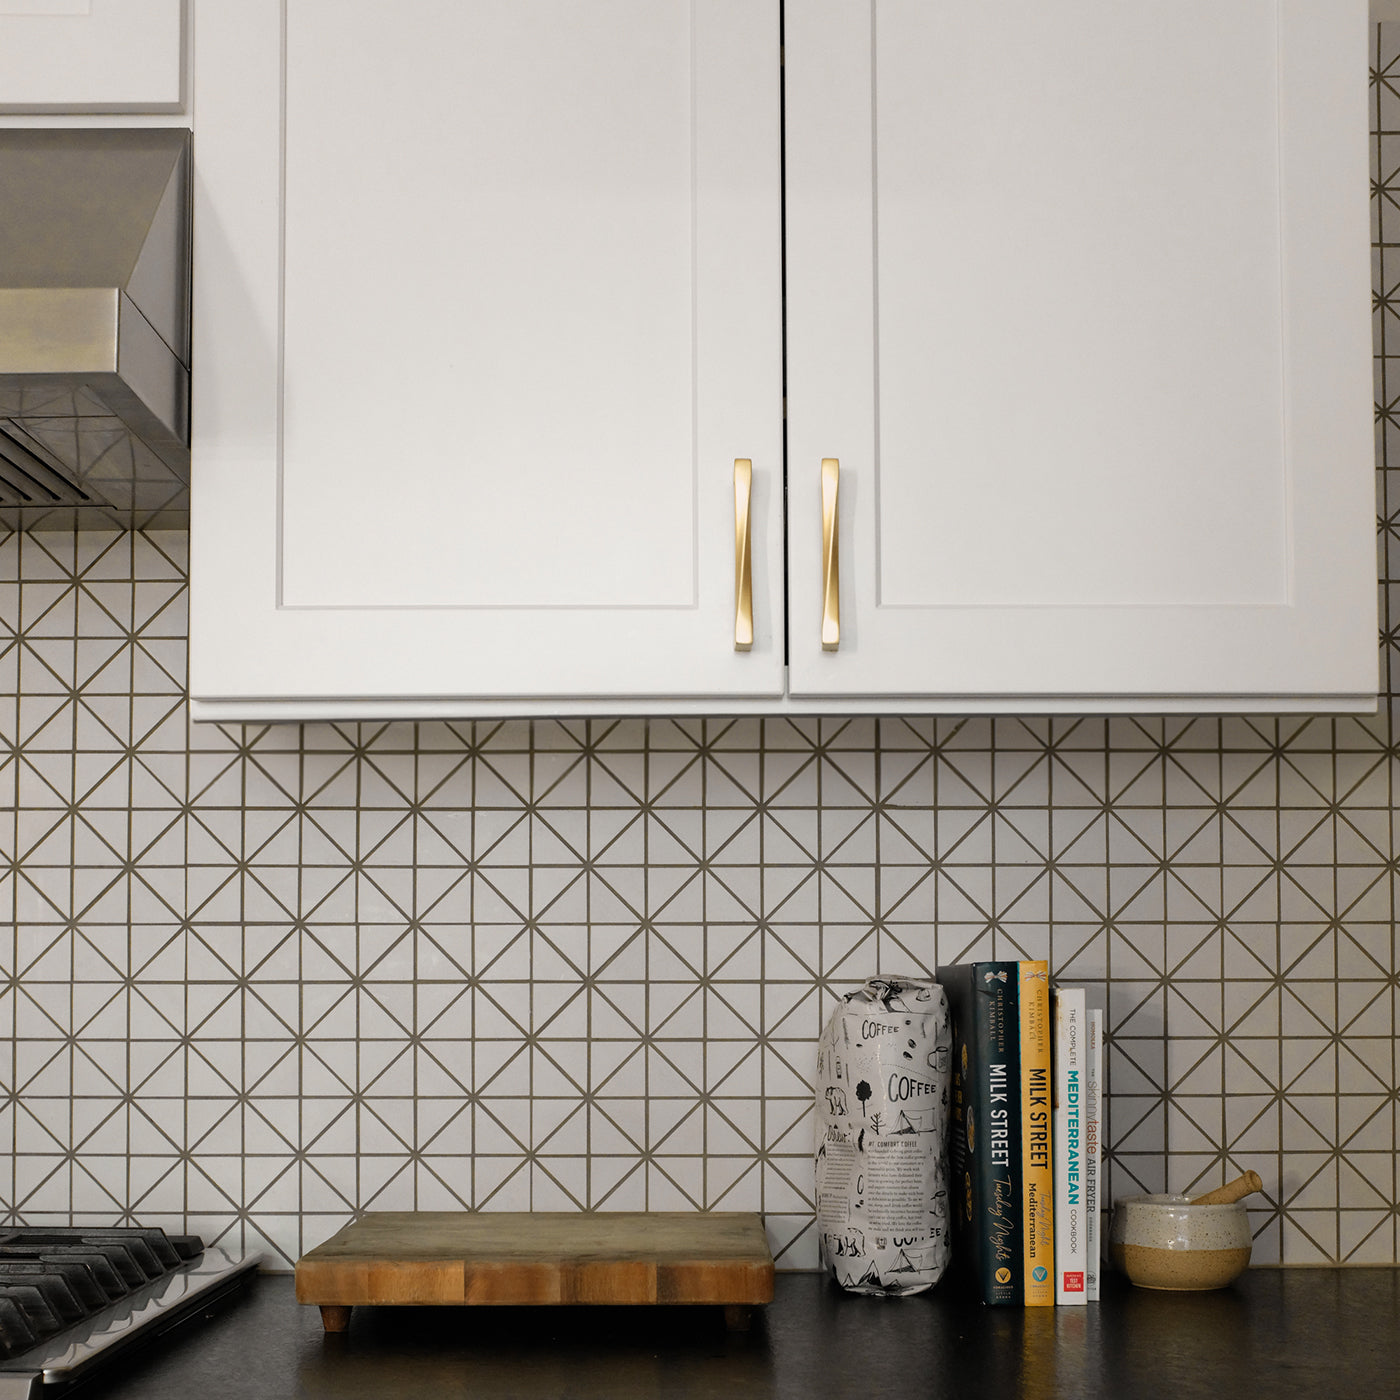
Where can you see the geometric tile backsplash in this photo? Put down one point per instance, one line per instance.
(255, 978)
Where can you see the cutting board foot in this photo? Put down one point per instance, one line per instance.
(334, 1319)
(737, 1317)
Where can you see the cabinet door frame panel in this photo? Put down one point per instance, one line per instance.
(1316, 649)
(100, 56)
(247, 648)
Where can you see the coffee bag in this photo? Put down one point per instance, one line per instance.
(883, 1068)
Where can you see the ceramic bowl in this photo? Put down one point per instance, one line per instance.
(1166, 1242)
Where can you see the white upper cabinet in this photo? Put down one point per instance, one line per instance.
(91, 56)
(488, 307)
(488, 302)
(1077, 298)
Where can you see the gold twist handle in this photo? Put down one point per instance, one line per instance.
(743, 554)
(831, 555)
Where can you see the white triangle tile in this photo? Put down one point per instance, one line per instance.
(795, 953)
(964, 895)
(326, 894)
(47, 723)
(733, 780)
(791, 1135)
(732, 837)
(328, 1126)
(385, 1069)
(501, 1126)
(43, 1068)
(1250, 894)
(790, 779)
(733, 1129)
(441, 1183)
(1366, 1237)
(1193, 1125)
(1363, 951)
(675, 1183)
(501, 895)
(1250, 836)
(329, 782)
(782, 1195)
(160, 725)
(1363, 1065)
(443, 1011)
(847, 780)
(1022, 894)
(672, 956)
(1136, 778)
(557, 1185)
(44, 954)
(732, 1067)
(1365, 1123)
(1195, 953)
(619, 748)
(905, 950)
(501, 1183)
(906, 893)
(793, 1241)
(1363, 893)
(675, 1127)
(1193, 836)
(1135, 1068)
(1195, 1010)
(1080, 777)
(1363, 780)
(444, 769)
(444, 951)
(1365, 1009)
(790, 836)
(675, 1011)
(617, 1013)
(327, 953)
(678, 895)
(156, 1188)
(216, 783)
(964, 837)
(503, 1077)
(617, 1067)
(617, 1183)
(725, 896)
(500, 1014)
(444, 1126)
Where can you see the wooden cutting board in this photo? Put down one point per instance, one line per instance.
(507, 1257)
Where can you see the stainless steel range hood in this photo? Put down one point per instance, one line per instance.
(94, 328)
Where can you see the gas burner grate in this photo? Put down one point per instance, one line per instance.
(72, 1296)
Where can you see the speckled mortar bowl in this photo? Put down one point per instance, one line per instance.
(1166, 1242)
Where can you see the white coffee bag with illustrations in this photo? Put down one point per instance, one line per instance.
(883, 1065)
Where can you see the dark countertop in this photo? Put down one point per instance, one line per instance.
(1331, 1333)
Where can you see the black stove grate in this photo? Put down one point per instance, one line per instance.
(71, 1296)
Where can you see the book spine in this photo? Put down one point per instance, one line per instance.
(1071, 1048)
(986, 1126)
(1038, 1187)
(1093, 1154)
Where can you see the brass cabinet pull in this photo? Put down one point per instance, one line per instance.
(831, 555)
(743, 554)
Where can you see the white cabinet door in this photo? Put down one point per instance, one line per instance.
(1078, 299)
(488, 303)
(91, 55)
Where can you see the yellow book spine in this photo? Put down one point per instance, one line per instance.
(1039, 1184)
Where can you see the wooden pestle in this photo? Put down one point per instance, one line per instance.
(1231, 1192)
